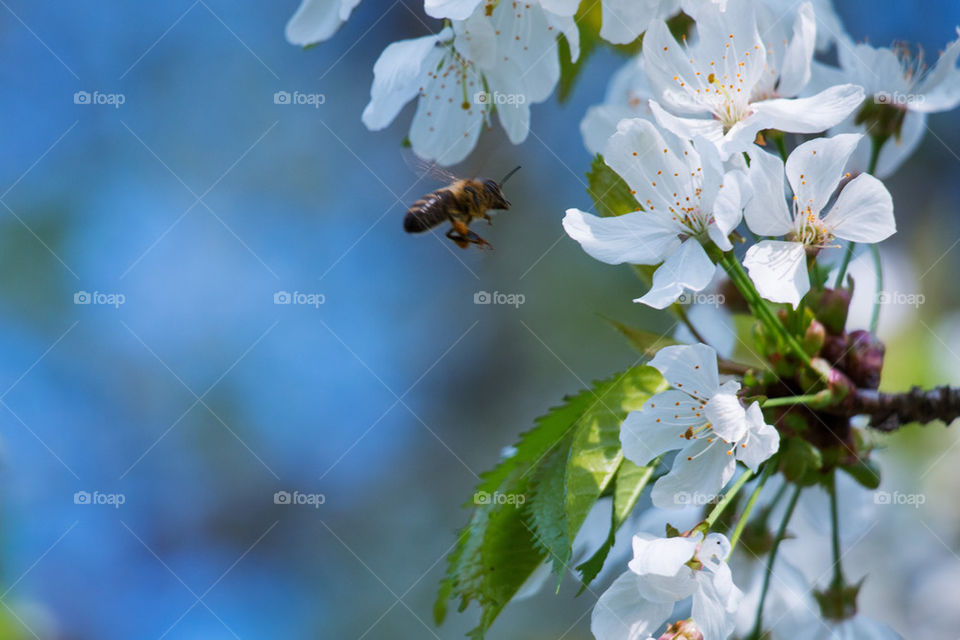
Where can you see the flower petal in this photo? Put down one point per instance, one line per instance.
(816, 168)
(622, 21)
(649, 163)
(713, 551)
(621, 614)
(317, 20)
(698, 474)
(727, 210)
(779, 270)
(690, 368)
(661, 556)
(714, 603)
(795, 69)
(863, 211)
(766, 213)
(601, 122)
(659, 426)
(688, 268)
(726, 415)
(452, 9)
(898, 149)
(690, 128)
(637, 238)
(397, 78)
(445, 128)
(761, 442)
(941, 88)
(809, 115)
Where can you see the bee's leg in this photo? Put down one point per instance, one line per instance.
(459, 233)
(462, 242)
(477, 240)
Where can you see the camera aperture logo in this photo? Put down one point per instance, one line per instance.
(311, 499)
(100, 99)
(481, 498)
(299, 98)
(98, 498)
(510, 299)
(99, 298)
(897, 498)
(499, 99)
(297, 297)
(694, 297)
(900, 298)
(899, 98)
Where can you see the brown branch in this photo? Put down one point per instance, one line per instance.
(889, 411)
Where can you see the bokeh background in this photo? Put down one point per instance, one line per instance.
(198, 398)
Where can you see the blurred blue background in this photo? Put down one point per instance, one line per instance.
(198, 398)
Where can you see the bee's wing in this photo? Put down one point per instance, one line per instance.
(426, 169)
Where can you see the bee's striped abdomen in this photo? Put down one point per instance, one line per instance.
(428, 211)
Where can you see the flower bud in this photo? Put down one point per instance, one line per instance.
(814, 338)
(832, 306)
(682, 630)
(864, 360)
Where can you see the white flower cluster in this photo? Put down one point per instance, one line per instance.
(681, 120)
(492, 55)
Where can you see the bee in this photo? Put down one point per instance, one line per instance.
(460, 203)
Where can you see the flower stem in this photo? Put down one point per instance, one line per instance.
(835, 538)
(810, 398)
(781, 533)
(768, 470)
(727, 498)
(760, 307)
(878, 269)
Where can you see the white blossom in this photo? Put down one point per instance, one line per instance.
(898, 79)
(730, 82)
(687, 201)
(507, 60)
(663, 572)
(701, 418)
(863, 212)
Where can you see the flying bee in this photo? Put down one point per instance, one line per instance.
(460, 203)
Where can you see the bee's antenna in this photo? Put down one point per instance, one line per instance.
(507, 177)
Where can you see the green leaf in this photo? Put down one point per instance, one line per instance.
(611, 195)
(547, 509)
(645, 342)
(560, 467)
(629, 484)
